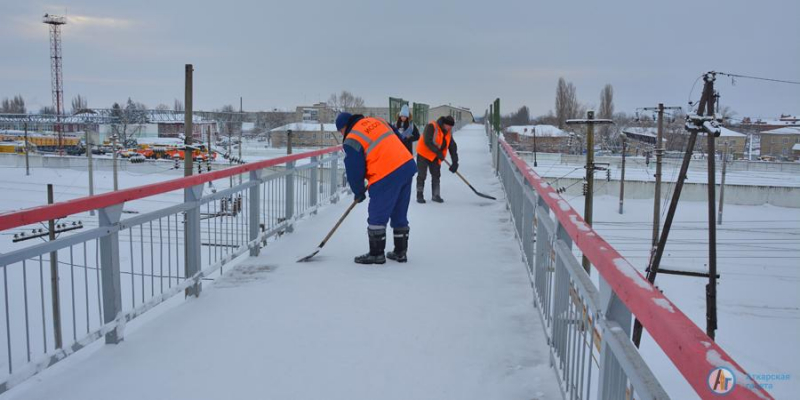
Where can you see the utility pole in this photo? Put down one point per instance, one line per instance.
(114, 160)
(187, 122)
(288, 141)
(722, 184)
(91, 167)
(27, 150)
(711, 287)
(590, 122)
(659, 152)
(51, 225)
(622, 177)
(702, 121)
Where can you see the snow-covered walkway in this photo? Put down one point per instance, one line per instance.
(455, 322)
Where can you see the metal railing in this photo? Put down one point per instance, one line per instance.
(61, 295)
(588, 327)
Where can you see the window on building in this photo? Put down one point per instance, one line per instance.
(785, 141)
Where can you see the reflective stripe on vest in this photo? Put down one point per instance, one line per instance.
(383, 150)
(438, 137)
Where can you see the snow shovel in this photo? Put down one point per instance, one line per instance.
(486, 196)
(335, 227)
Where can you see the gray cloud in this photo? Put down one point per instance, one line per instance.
(281, 54)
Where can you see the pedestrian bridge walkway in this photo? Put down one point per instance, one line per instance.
(455, 322)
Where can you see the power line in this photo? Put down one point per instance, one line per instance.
(759, 78)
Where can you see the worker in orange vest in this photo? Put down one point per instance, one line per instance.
(437, 140)
(374, 152)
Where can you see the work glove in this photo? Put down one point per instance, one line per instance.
(360, 197)
(454, 167)
(440, 155)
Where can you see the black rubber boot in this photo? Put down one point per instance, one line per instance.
(420, 197)
(377, 243)
(400, 245)
(436, 197)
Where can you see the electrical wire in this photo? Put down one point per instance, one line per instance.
(759, 78)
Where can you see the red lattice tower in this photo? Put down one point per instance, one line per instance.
(55, 23)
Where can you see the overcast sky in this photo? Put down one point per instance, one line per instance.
(289, 53)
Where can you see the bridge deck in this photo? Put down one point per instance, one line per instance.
(455, 322)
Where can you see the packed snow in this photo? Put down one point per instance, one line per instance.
(455, 322)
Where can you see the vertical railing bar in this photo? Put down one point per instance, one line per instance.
(161, 256)
(152, 263)
(8, 320)
(133, 277)
(72, 289)
(585, 328)
(208, 231)
(177, 250)
(169, 256)
(25, 296)
(41, 291)
(216, 231)
(97, 281)
(591, 351)
(141, 252)
(86, 283)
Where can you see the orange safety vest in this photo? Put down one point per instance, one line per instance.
(439, 136)
(383, 149)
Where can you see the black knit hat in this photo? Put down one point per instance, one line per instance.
(448, 120)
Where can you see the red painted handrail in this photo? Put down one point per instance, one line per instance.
(690, 349)
(33, 215)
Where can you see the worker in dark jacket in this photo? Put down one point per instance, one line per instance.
(374, 152)
(406, 129)
(437, 140)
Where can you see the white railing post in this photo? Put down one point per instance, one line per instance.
(289, 195)
(193, 260)
(334, 179)
(255, 211)
(314, 184)
(612, 380)
(109, 265)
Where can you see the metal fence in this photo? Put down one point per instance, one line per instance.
(587, 326)
(61, 295)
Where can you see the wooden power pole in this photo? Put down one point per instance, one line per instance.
(590, 122)
(187, 123)
(703, 121)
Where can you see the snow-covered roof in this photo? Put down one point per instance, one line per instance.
(788, 130)
(541, 130)
(305, 127)
(729, 133)
(796, 147)
(641, 131)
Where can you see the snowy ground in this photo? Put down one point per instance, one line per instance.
(637, 169)
(758, 297)
(455, 322)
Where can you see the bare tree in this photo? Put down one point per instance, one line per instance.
(606, 111)
(726, 112)
(162, 107)
(130, 121)
(346, 102)
(47, 110)
(79, 103)
(178, 105)
(520, 117)
(566, 102)
(15, 105)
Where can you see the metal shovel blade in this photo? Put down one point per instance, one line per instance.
(308, 257)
